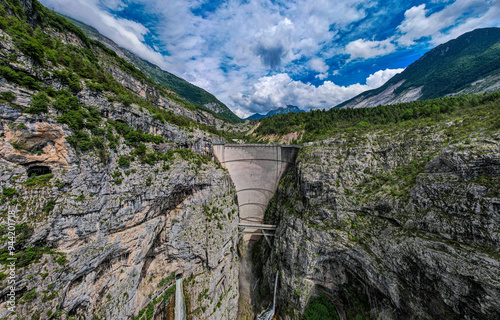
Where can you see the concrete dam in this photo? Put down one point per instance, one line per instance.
(256, 170)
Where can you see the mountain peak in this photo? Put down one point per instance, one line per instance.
(467, 64)
(289, 108)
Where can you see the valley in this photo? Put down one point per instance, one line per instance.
(134, 194)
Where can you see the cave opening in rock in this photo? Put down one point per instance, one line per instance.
(36, 171)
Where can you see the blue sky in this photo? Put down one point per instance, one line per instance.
(257, 55)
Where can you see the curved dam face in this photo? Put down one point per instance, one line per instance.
(256, 170)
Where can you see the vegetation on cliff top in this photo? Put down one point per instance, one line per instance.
(72, 65)
(78, 62)
(196, 96)
(319, 124)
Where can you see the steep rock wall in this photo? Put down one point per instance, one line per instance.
(107, 246)
(100, 233)
(409, 221)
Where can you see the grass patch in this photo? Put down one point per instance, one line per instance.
(40, 181)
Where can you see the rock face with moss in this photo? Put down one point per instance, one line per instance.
(105, 224)
(105, 215)
(112, 193)
(398, 223)
(104, 238)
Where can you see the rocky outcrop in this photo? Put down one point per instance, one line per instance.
(105, 239)
(408, 222)
(386, 97)
(100, 233)
(44, 140)
(146, 91)
(490, 83)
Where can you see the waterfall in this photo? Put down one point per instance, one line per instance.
(180, 307)
(274, 299)
(268, 314)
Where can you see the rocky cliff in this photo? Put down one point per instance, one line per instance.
(103, 239)
(110, 199)
(392, 224)
(196, 96)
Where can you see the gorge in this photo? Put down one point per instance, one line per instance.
(127, 204)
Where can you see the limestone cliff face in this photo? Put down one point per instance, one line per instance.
(100, 233)
(146, 91)
(107, 238)
(408, 220)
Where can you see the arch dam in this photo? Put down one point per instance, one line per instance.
(256, 170)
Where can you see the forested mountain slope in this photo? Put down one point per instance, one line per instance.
(195, 95)
(468, 64)
(318, 124)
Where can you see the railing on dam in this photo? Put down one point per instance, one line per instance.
(256, 170)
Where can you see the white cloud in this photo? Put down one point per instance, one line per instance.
(455, 19)
(241, 47)
(322, 76)
(369, 49)
(318, 65)
(116, 5)
(380, 77)
(490, 18)
(279, 90)
(126, 33)
(272, 45)
(247, 39)
(416, 25)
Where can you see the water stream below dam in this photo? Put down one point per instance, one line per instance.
(268, 313)
(180, 306)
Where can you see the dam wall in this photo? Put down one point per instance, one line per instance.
(256, 170)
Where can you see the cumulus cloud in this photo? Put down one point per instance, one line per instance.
(488, 19)
(318, 65)
(279, 90)
(369, 49)
(453, 20)
(247, 52)
(459, 17)
(322, 76)
(272, 44)
(382, 76)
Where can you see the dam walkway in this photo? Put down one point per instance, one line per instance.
(256, 170)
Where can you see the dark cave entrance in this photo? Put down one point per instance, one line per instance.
(36, 171)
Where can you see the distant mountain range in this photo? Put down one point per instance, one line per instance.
(287, 109)
(186, 90)
(468, 64)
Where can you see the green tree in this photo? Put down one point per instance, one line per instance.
(39, 103)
